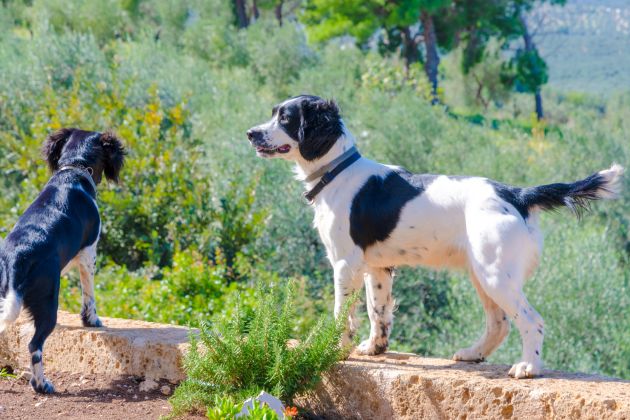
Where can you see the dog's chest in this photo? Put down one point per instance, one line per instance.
(333, 227)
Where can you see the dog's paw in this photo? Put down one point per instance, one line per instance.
(92, 322)
(372, 347)
(46, 387)
(524, 370)
(469, 355)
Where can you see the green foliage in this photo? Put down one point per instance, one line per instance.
(394, 78)
(225, 408)
(252, 352)
(277, 55)
(6, 374)
(530, 71)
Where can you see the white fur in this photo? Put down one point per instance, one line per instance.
(85, 261)
(455, 223)
(613, 177)
(10, 307)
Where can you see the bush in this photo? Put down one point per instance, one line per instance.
(251, 352)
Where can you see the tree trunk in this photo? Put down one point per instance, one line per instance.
(409, 47)
(539, 105)
(432, 59)
(241, 14)
(278, 12)
(530, 46)
(255, 11)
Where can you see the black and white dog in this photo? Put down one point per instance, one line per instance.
(58, 231)
(374, 217)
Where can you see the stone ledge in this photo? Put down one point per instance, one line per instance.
(123, 347)
(391, 386)
(406, 386)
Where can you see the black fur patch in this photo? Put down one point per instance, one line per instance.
(376, 208)
(576, 196)
(381, 348)
(36, 358)
(313, 122)
(103, 153)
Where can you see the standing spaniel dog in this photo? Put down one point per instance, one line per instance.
(374, 217)
(58, 231)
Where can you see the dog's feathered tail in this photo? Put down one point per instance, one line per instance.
(605, 184)
(10, 302)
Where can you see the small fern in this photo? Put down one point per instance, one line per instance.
(248, 354)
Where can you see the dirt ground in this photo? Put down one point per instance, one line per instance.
(84, 397)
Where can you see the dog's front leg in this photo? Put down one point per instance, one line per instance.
(347, 281)
(380, 304)
(87, 268)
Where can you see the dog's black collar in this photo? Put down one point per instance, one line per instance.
(330, 175)
(85, 171)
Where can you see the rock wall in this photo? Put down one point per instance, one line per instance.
(391, 386)
(123, 347)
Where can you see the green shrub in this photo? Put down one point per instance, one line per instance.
(250, 353)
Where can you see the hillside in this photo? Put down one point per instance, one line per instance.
(586, 44)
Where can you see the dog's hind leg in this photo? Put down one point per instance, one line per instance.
(503, 250)
(87, 268)
(497, 328)
(41, 300)
(44, 319)
(500, 286)
(380, 305)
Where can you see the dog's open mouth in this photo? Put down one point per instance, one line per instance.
(285, 148)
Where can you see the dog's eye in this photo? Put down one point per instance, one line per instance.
(284, 119)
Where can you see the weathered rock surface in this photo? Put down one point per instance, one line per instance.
(405, 386)
(391, 386)
(123, 347)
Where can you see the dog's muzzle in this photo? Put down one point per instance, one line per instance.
(257, 139)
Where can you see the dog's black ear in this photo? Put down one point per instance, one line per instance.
(114, 155)
(320, 127)
(54, 145)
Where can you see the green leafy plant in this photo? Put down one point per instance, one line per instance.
(5, 373)
(224, 408)
(253, 352)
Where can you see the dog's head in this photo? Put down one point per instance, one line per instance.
(104, 153)
(303, 127)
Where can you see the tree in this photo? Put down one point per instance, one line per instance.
(240, 12)
(531, 70)
(476, 22)
(398, 20)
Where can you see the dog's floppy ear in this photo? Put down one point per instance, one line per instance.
(320, 127)
(54, 145)
(114, 155)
